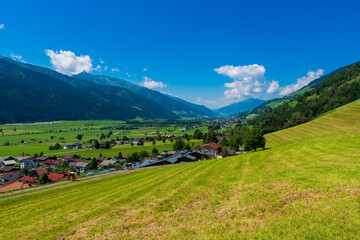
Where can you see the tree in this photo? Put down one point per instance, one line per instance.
(196, 147)
(7, 143)
(179, 144)
(93, 164)
(198, 134)
(51, 148)
(143, 154)
(79, 137)
(36, 155)
(153, 142)
(235, 142)
(96, 144)
(41, 154)
(224, 142)
(255, 140)
(57, 146)
(155, 151)
(210, 136)
(107, 145)
(164, 140)
(44, 179)
(224, 153)
(187, 147)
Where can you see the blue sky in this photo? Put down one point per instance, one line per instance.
(207, 52)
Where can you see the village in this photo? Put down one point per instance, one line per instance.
(30, 171)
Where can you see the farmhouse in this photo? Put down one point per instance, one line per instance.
(81, 166)
(211, 147)
(73, 146)
(28, 163)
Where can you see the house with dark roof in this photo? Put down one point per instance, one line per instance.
(73, 146)
(29, 163)
(8, 163)
(52, 163)
(11, 176)
(81, 166)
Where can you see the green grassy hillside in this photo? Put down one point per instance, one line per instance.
(306, 186)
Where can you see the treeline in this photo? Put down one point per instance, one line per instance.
(339, 89)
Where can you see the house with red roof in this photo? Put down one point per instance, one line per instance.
(27, 179)
(54, 177)
(211, 147)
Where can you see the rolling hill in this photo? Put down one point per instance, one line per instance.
(337, 90)
(179, 106)
(242, 106)
(308, 177)
(32, 93)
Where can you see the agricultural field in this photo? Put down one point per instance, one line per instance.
(39, 137)
(306, 185)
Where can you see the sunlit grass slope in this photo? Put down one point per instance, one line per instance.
(303, 188)
(337, 122)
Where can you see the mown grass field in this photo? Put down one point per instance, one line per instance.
(306, 186)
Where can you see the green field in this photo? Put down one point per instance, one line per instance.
(306, 186)
(39, 137)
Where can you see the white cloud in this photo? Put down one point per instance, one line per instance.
(101, 61)
(98, 68)
(273, 88)
(115, 70)
(149, 83)
(248, 81)
(68, 63)
(127, 74)
(301, 82)
(2, 26)
(145, 69)
(106, 68)
(17, 57)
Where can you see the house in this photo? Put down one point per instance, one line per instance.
(69, 157)
(81, 166)
(138, 142)
(220, 138)
(28, 163)
(8, 163)
(52, 163)
(54, 177)
(107, 163)
(15, 186)
(125, 156)
(151, 158)
(211, 147)
(42, 159)
(6, 169)
(73, 146)
(7, 158)
(41, 172)
(11, 176)
(27, 179)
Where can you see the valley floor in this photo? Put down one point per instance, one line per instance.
(305, 186)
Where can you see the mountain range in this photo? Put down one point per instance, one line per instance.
(242, 106)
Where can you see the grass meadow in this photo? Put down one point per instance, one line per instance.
(305, 186)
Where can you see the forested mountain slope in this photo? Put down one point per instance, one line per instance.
(32, 93)
(339, 89)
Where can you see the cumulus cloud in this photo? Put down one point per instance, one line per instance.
(106, 68)
(273, 88)
(101, 61)
(127, 74)
(301, 82)
(17, 57)
(145, 69)
(115, 70)
(68, 63)
(2, 26)
(149, 83)
(248, 81)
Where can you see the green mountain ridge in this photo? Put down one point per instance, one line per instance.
(337, 89)
(179, 106)
(33, 93)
